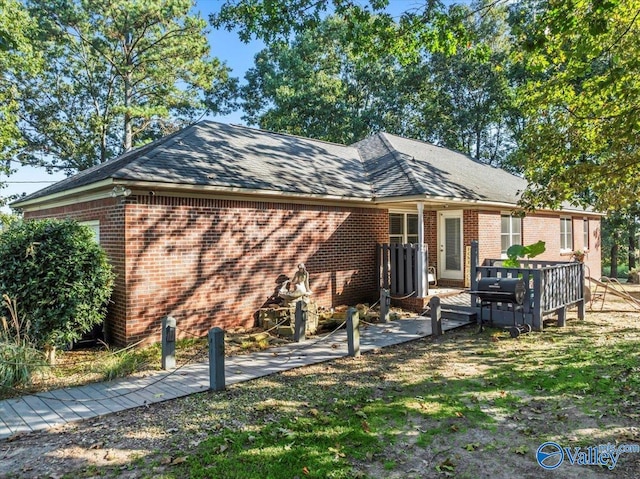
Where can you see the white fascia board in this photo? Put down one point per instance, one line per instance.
(102, 190)
(94, 191)
(460, 202)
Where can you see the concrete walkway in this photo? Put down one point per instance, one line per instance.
(52, 408)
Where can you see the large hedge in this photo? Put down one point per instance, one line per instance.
(59, 277)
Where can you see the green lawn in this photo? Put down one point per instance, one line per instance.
(340, 417)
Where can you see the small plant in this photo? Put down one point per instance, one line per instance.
(578, 255)
(19, 358)
(517, 251)
(117, 364)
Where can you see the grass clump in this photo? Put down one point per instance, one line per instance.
(19, 358)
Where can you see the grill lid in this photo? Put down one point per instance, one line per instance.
(501, 289)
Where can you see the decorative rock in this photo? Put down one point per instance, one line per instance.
(372, 316)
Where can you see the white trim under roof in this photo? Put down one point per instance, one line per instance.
(164, 189)
(460, 203)
(68, 197)
(102, 189)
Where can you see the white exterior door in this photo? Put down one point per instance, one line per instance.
(450, 260)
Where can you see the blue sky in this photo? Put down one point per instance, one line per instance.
(224, 45)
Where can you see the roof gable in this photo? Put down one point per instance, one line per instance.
(403, 167)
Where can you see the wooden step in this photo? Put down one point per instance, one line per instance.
(459, 315)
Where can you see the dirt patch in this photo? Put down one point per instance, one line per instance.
(153, 441)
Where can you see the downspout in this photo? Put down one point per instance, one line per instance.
(423, 283)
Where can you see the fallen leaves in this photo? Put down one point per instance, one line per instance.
(179, 460)
(337, 452)
(447, 467)
(173, 461)
(522, 450)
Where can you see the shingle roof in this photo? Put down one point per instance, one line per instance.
(238, 157)
(216, 154)
(402, 167)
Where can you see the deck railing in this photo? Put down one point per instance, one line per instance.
(551, 287)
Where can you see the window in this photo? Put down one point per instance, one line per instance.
(412, 228)
(566, 234)
(585, 233)
(511, 227)
(95, 227)
(403, 228)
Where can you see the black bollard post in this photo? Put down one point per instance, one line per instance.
(436, 317)
(353, 332)
(300, 326)
(216, 359)
(385, 304)
(168, 343)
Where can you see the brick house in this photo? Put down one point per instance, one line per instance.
(200, 224)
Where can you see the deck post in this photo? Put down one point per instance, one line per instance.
(473, 271)
(300, 325)
(168, 343)
(353, 332)
(436, 316)
(537, 308)
(582, 302)
(385, 303)
(216, 359)
(562, 317)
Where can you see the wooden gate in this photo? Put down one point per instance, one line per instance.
(398, 267)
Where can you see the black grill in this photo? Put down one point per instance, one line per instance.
(496, 290)
(502, 290)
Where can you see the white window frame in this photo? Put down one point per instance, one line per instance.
(566, 236)
(94, 225)
(510, 233)
(405, 227)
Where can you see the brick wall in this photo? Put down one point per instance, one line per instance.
(431, 235)
(215, 262)
(545, 227)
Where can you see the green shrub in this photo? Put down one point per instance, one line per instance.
(58, 275)
(623, 270)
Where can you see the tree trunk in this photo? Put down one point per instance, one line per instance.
(128, 127)
(50, 352)
(614, 255)
(632, 242)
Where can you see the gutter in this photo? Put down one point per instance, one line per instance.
(103, 190)
(462, 202)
